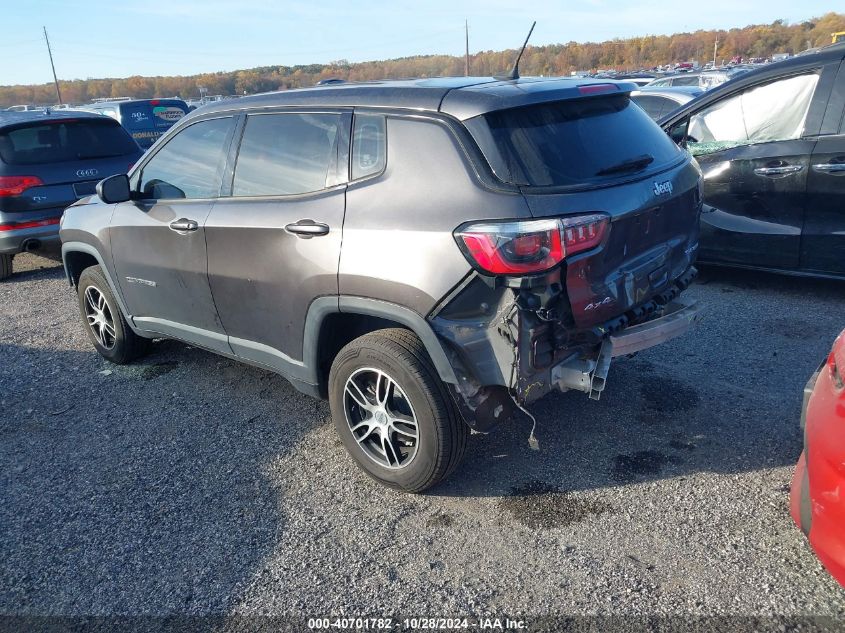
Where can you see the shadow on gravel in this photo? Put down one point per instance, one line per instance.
(724, 398)
(127, 489)
(28, 266)
(141, 487)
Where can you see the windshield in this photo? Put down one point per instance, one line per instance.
(572, 142)
(63, 141)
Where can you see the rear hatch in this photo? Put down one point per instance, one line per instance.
(147, 120)
(602, 154)
(47, 165)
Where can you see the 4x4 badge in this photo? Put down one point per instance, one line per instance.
(662, 187)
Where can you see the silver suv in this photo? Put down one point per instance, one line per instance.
(432, 256)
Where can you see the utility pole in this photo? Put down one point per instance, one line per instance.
(466, 56)
(50, 53)
(715, 48)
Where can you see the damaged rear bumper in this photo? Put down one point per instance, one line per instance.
(590, 374)
(511, 346)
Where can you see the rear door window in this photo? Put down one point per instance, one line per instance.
(65, 141)
(286, 154)
(190, 165)
(572, 142)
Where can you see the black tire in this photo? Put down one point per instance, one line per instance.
(6, 266)
(124, 346)
(441, 433)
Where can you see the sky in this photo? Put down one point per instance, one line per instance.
(121, 38)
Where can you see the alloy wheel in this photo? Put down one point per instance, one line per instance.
(381, 418)
(99, 317)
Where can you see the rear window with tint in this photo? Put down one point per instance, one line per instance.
(65, 141)
(573, 142)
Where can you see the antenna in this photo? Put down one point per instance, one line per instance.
(466, 56)
(50, 53)
(514, 73)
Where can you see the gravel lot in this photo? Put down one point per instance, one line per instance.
(191, 484)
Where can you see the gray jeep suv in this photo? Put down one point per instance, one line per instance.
(432, 256)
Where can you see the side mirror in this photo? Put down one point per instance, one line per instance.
(114, 189)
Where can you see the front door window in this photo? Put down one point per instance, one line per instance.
(772, 112)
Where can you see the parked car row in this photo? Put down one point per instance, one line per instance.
(705, 80)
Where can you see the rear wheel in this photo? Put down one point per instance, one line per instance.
(6, 266)
(104, 322)
(393, 413)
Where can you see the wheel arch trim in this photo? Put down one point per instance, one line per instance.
(322, 307)
(82, 247)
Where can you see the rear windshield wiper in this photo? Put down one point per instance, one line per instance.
(632, 164)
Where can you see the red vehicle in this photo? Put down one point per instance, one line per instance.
(818, 486)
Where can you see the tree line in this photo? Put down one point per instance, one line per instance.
(762, 40)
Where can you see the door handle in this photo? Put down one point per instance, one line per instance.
(782, 170)
(830, 168)
(307, 228)
(184, 224)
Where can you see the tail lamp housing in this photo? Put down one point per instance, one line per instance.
(532, 246)
(16, 185)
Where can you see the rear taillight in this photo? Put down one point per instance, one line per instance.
(529, 247)
(583, 232)
(16, 185)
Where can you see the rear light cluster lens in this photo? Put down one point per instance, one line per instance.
(530, 247)
(17, 226)
(16, 185)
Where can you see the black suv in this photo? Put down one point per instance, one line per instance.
(771, 144)
(431, 256)
(49, 160)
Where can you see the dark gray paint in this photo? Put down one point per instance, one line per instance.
(401, 225)
(263, 277)
(147, 251)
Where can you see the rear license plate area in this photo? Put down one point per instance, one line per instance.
(82, 189)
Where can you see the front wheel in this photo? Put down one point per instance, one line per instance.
(393, 413)
(103, 321)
